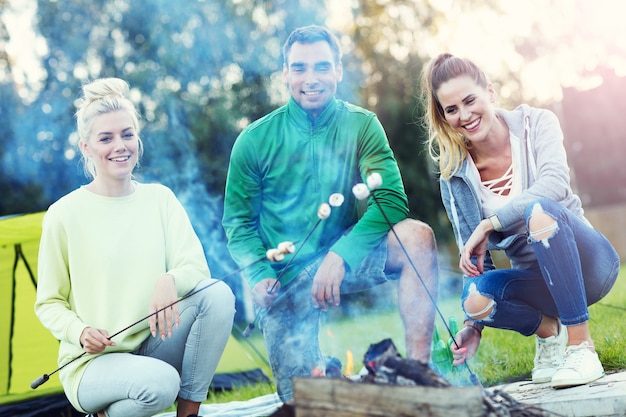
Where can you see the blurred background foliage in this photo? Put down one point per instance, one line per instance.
(201, 70)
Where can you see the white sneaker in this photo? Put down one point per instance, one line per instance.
(549, 355)
(580, 367)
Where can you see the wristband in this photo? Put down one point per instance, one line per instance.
(495, 222)
(480, 331)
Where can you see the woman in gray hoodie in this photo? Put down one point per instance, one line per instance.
(505, 186)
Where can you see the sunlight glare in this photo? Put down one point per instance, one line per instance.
(25, 48)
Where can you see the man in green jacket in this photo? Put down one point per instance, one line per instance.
(282, 167)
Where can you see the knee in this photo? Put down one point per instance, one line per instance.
(159, 392)
(222, 299)
(223, 292)
(217, 301)
(541, 225)
(478, 306)
(170, 387)
(416, 233)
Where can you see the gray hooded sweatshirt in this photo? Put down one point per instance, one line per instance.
(544, 173)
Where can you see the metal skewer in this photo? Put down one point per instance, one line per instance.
(45, 377)
(374, 180)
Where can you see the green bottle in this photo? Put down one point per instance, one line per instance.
(440, 354)
(454, 329)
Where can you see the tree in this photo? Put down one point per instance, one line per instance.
(18, 196)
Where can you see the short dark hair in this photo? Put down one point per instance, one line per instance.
(312, 34)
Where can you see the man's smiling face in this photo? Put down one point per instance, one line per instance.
(312, 75)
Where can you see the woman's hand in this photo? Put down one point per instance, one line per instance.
(468, 340)
(95, 340)
(164, 295)
(476, 245)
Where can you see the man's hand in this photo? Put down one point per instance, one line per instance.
(164, 295)
(327, 282)
(261, 294)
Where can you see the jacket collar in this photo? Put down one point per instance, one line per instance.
(302, 119)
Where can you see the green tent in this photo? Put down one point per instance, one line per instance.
(28, 350)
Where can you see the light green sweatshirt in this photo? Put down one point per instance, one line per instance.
(99, 259)
(285, 165)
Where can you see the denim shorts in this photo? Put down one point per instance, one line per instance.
(290, 325)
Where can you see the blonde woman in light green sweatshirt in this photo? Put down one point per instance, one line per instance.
(114, 251)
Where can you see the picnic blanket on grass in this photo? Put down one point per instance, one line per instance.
(256, 407)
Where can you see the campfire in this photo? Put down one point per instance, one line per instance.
(394, 386)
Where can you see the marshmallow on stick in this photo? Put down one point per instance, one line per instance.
(323, 211)
(374, 180)
(360, 191)
(286, 247)
(278, 254)
(274, 255)
(336, 199)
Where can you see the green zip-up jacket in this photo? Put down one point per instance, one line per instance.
(284, 165)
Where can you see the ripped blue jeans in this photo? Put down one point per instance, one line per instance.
(576, 267)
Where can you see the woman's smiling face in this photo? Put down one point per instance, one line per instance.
(113, 145)
(468, 107)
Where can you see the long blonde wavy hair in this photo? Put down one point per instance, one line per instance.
(102, 96)
(446, 146)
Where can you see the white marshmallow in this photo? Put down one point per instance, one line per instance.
(274, 255)
(360, 191)
(323, 211)
(336, 199)
(286, 247)
(374, 180)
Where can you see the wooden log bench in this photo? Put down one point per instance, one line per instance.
(324, 397)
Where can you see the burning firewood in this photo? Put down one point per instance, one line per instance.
(396, 386)
(385, 366)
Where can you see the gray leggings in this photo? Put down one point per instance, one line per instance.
(147, 381)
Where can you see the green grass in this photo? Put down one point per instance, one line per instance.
(503, 356)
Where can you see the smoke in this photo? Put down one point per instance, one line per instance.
(170, 159)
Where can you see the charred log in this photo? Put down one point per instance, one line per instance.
(385, 366)
(394, 386)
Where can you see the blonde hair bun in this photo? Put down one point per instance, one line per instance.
(105, 87)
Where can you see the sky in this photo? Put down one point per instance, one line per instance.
(575, 37)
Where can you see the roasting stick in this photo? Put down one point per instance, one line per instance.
(361, 191)
(323, 211)
(277, 252)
